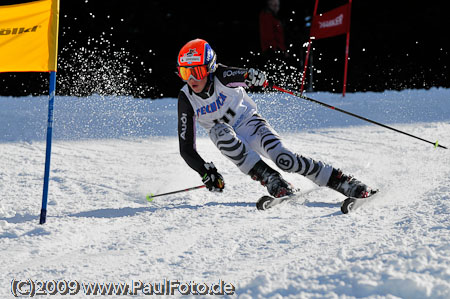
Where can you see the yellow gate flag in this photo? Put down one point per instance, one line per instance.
(29, 36)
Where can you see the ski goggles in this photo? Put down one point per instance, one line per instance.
(198, 72)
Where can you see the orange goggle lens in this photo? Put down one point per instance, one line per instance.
(197, 72)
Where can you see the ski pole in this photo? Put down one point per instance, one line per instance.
(151, 196)
(299, 95)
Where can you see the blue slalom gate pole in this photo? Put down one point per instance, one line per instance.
(48, 149)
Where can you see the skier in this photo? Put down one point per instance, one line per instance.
(214, 96)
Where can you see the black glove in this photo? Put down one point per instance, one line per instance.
(255, 78)
(212, 179)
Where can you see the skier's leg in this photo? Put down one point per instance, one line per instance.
(263, 138)
(247, 160)
(232, 147)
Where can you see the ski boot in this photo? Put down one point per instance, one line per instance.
(271, 179)
(348, 185)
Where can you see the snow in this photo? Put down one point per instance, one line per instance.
(110, 152)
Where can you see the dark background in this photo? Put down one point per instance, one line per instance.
(130, 47)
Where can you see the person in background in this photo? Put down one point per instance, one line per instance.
(271, 30)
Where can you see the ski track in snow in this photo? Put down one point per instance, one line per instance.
(100, 228)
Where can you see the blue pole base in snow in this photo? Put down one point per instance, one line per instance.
(48, 149)
(43, 216)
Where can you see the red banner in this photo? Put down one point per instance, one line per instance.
(331, 23)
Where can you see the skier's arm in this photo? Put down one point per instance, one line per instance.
(233, 76)
(186, 135)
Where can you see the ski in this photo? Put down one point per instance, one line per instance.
(353, 203)
(266, 202)
(349, 204)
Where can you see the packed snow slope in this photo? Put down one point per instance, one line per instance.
(110, 152)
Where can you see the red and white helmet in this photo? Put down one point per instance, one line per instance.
(196, 59)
